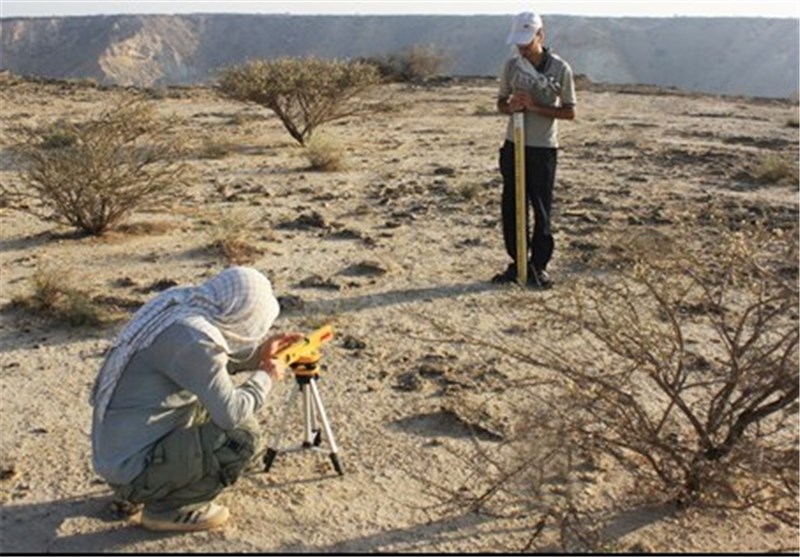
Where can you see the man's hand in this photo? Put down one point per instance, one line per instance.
(523, 100)
(270, 348)
(510, 105)
(530, 105)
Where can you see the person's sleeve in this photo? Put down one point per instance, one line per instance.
(505, 82)
(568, 98)
(201, 367)
(245, 361)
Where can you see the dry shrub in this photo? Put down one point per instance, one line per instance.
(773, 169)
(412, 64)
(682, 370)
(232, 236)
(688, 374)
(537, 473)
(214, 149)
(55, 296)
(91, 175)
(468, 189)
(304, 93)
(326, 154)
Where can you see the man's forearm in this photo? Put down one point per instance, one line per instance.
(556, 112)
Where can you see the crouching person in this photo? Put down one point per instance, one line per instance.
(170, 428)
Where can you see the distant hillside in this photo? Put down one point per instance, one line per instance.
(740, 56)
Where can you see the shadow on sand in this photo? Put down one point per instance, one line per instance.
(394, 297)
(39, 528)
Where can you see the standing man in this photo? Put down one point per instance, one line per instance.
(539, 83)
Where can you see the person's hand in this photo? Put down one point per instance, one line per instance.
(522, 100)
(274, 344)
(515, 103)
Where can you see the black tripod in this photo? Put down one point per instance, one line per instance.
(306, 373)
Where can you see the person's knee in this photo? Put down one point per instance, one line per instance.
(246, 437)
(237, 452)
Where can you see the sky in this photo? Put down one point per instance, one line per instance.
(640, 8)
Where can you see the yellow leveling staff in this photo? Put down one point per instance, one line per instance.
(520, 201)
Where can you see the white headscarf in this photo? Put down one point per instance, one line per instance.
(236, 309)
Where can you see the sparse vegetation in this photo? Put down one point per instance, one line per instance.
(709, 422)
(93, 174)
(232, 236)
(468, 189)
(326, 154)
(304, 93)
(214, 149)
(55, 296)
(541, 433)
(413, 64)
(774, 168)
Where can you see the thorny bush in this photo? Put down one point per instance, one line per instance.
(689, 372)
(683, 369)
(91, 175)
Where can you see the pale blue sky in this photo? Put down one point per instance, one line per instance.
(738, 8)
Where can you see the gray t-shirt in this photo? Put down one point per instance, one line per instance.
(541, 131)
(160, 390)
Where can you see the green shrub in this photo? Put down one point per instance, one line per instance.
(304, 93)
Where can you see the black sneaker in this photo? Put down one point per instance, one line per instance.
(539, 279)
(507, 276)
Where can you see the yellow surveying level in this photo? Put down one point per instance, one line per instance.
(306, 351)
(303, 358)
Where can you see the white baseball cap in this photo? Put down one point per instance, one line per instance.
(524, 27)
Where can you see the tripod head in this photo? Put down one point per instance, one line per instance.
(303, 356)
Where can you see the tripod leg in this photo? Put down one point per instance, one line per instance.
(337, 465)
(308, 417)
(272, 449)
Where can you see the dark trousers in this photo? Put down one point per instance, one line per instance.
(540, 177)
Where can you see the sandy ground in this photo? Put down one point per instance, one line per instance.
(393, 251)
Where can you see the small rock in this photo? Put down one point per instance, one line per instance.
(290, 302)
(408, 382)
(352, 343)
(444, 171)
(8, 472)
(365, 268)
(158, 286)
(432, 370)
(125, 282)
(316, 281)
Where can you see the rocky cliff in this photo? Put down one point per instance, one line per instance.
(743, 56)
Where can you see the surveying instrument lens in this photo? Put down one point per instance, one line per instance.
(303, 358)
